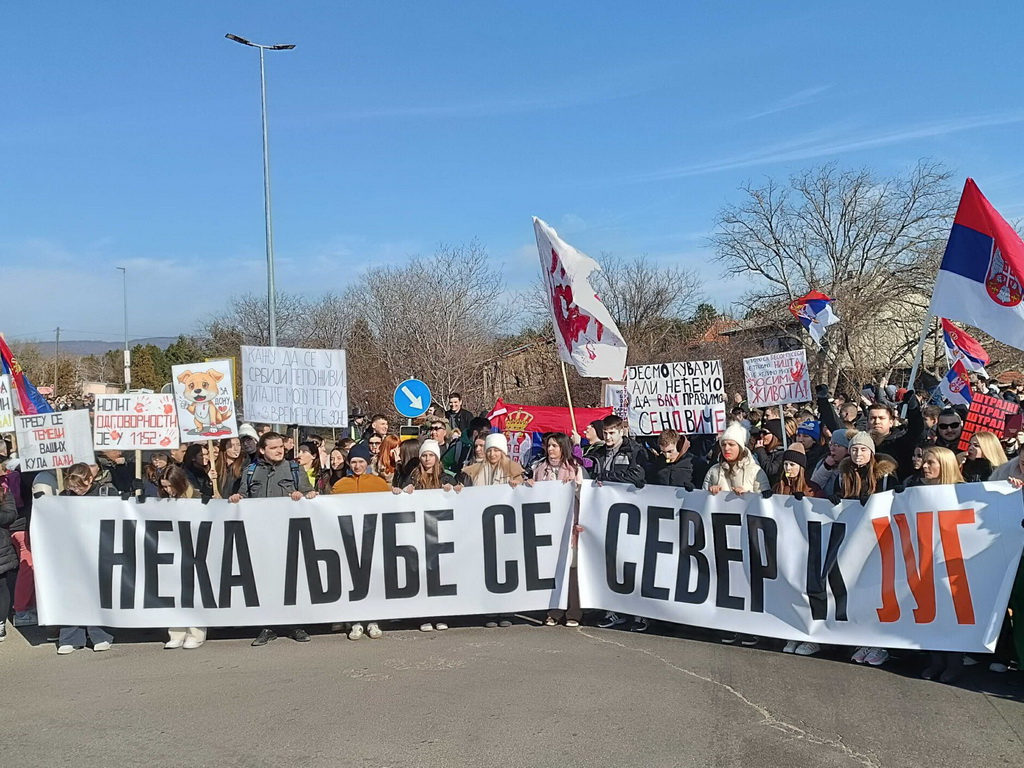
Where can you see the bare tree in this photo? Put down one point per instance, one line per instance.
(871, 243)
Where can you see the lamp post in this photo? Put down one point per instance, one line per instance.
(271, 291)
(127, 354)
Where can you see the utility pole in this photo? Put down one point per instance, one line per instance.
(56, 363)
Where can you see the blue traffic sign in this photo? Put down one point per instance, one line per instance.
(412, 398)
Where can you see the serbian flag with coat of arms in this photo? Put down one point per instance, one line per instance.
(585, 333)
(961, 346)
(956, 387)
(980, 278)
(814, 311)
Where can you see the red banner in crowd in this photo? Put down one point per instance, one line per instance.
(986, 414)
(542, 418)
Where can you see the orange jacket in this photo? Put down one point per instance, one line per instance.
(361, 484)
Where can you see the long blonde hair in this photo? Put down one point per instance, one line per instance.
(949, 467)
(991, 448)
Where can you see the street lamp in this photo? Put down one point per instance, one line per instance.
(271, 291)
(127, 354)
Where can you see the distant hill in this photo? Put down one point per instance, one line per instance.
(82, 347)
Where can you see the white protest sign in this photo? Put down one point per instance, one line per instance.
(688, 397)
(134, 422)
(54, 440)
(6, 404)
(268, 562)
(202, 398)
(614, 396)
(290, 385)
(777, 379)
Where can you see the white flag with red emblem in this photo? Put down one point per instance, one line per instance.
(585, 333)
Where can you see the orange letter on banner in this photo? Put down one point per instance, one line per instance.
(920, 577)
(890, 610)
(954, 556)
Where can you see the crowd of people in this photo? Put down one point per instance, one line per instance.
(836, 447)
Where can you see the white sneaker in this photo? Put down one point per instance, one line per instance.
(426, 627)
(373, 630)
(192, 642)
(876, 657)
(177, 641)
(101, 646)
(356, 632)
(807, 649)
(859, 654)
(996, 666)
(440, 626)
(64, 650)
(791, 646)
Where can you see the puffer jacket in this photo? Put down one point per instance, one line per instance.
(747, 475)
(8, 557)
(679, 473)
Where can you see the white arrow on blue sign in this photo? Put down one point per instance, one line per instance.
(412, 398)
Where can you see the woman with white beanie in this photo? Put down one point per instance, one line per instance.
(496, 468)
(737, 471)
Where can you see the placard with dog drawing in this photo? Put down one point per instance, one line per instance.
(202, 397)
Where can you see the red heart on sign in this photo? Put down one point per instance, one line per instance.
(115, 435)
(223, 409)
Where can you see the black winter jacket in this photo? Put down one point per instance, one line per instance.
(8, 557)
(625, 465)
(679, 473)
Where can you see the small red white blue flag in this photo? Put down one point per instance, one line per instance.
(981, 278)
(961, 346)
(956, 387)
(814, 311)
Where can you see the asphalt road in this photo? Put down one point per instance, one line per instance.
(523, 696)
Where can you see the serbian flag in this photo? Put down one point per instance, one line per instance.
(961, 346)
(814, 311)
(29, 401)
(956, 387)
(979, 281)
(585, 333)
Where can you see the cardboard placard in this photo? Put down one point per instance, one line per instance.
(54, 440)
(202, 398)
(777, 379)
(688, 397)
(290, 385)
(986, 414)
(134, 422)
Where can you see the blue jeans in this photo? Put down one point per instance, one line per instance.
(76, 636)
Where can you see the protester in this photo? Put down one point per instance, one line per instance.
(408, 461)
(826, 473)
(458, 416)
(8, 556)
(1012, 470)
(737, 471)
(768, 449)
(200, 472)
(672, 466)
(230, 466)
(250, 441)
(861, 474)
(916, 463)
(121, 472)
(948, 429)
(79, 481)
(151, 474)
(896, 442)
(984, 454)
(808, 434)
(273, 477)
(178, 454)
(619, 459)
(308, 457)
(378, 427)
(360, 479)
(386, 460)
(793, 481)
(496, 468)
(336, 471)
(479, 447)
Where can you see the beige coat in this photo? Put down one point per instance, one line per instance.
(746, 475)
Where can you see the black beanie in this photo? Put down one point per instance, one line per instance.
(598, 425)
(796, 455)
(360, 451)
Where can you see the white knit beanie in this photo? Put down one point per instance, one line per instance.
(496, 440)
(736, 433)
(430, 446)
(863, 438)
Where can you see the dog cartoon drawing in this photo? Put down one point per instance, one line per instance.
(200, 390)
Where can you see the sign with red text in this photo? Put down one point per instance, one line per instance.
(54, 440)
(134, 422)
(6, 404)
(777, 379)
(987, 414)
(930, 568)
(688, 397)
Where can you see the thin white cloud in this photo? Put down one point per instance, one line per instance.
(822, 144)
(798, 99)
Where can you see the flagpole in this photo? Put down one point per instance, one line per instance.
(782, 421)
(920, 353)
(572, 412)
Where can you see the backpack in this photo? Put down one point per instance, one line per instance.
(251, 470)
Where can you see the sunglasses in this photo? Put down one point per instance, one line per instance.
(435, 428)
(949, 426)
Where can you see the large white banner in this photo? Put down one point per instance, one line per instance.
(688, 397)
(289, 385)
(135, 422)
(266, 562)
(777, 379)
(930, 568)
(54, 440)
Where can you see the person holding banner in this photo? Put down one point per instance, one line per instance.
(197, 466)
(793, 481)
(176, 484)
(496, 468)
(890, 439)
(826, 474)
(79, 481)
(672, 466)
(619, 459)
(8, 556)
(737, 471)
(230, 466)
(386, 460)
(984, 454)
(1012, 471)
(360, 479)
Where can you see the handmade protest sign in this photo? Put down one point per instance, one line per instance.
(134, 422)
(777, 379)
(267, 562)
(929, 568)
(54, 440)
(203, 401)
(986, 414)
(688, 397)
(289, 385)
(614, 396)
(6, 404)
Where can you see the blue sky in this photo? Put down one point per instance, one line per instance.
(131, 135)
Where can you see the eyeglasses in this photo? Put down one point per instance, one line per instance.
(949, 426)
